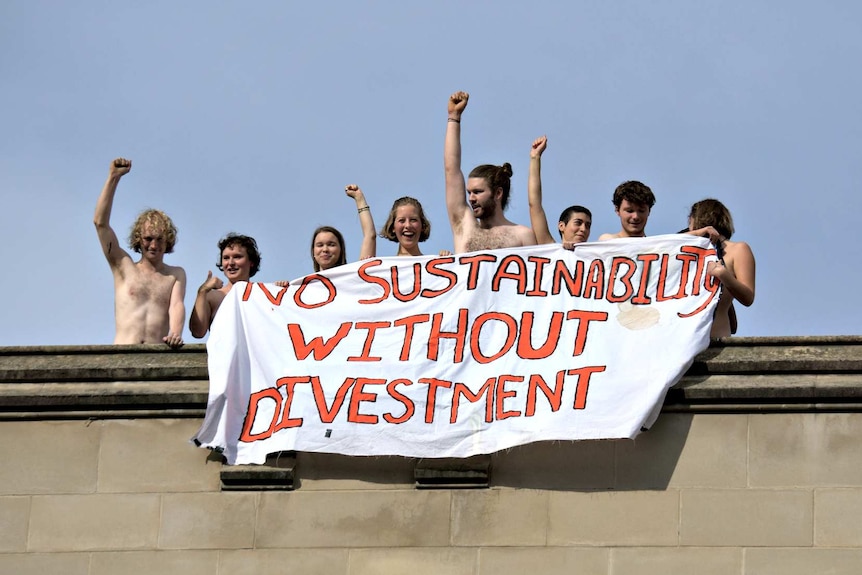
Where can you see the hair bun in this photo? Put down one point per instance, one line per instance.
(506, 169)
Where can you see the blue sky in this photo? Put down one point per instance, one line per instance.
(252, 117)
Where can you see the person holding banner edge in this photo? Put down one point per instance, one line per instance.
(239, 259)
(735, 268)
(476, 206)
(575, 221)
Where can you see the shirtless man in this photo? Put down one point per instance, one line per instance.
(575, 221)
(148, 294)
(632, 203)
(239, 259)
(479, 224)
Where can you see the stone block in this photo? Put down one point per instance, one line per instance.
(837, 520)
(94, 522)
(154, 455)
(353, 519)
(45, 563)
(413, 561)
(14, 520)
(544, 560)
(49, 457)
(746, 517)
(330, 471)
(276, 561)
(686, 451)
(615, 518)
(555, 465)
(149, 562)
(664, 560)
(784, 561)
(208, 520)
(806, 449)
(499, 517)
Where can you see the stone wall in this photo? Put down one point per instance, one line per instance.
(754, 467)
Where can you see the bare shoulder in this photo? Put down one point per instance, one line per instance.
(177, 272)
(526, 235)
(604, 237)
(737, 250)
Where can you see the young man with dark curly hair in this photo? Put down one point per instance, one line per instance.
(632, 203)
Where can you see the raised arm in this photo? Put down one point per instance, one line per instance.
(102, 219)
(538, 219)
(456, 188)
(202, 313)
(740, 281)
(176, 310)
(366, 221)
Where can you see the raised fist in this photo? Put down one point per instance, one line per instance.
(539, 145)
(457, 103)
(120, 167)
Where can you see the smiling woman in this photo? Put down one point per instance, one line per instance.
(406, 225)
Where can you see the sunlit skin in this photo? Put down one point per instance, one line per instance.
(327, 252)
(236, 264)
(408, 229)
(148, 294)
(153, 244)
(577, 229)
(633, 217)
(482, 200)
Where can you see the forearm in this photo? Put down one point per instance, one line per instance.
(538, 218)
(456, 188)
(105, 203)
(199, 322)
(741, 292)
(366, 223)
(176, 317)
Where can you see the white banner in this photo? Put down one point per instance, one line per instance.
(460, 355)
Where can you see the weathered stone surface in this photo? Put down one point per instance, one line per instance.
(613, 518)
(94, 522)
(499, 517)
(543, 560)
(208, 520)
(14, 520)
(665, 560)
(150, 562)
(277, 561)
(413, 561)
(49, 457)
(783, 561)
(746, 517)
(45, 563)
(362, 518)
(837, 515)
(145, 455)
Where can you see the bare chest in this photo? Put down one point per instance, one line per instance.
(140, 288)
(492, 239)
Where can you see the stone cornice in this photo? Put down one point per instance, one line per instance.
(746, 374)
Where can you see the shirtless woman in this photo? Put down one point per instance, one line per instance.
(735, 271)
(479, 224)
(148, 294)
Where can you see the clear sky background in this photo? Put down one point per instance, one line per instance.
(253, 116)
